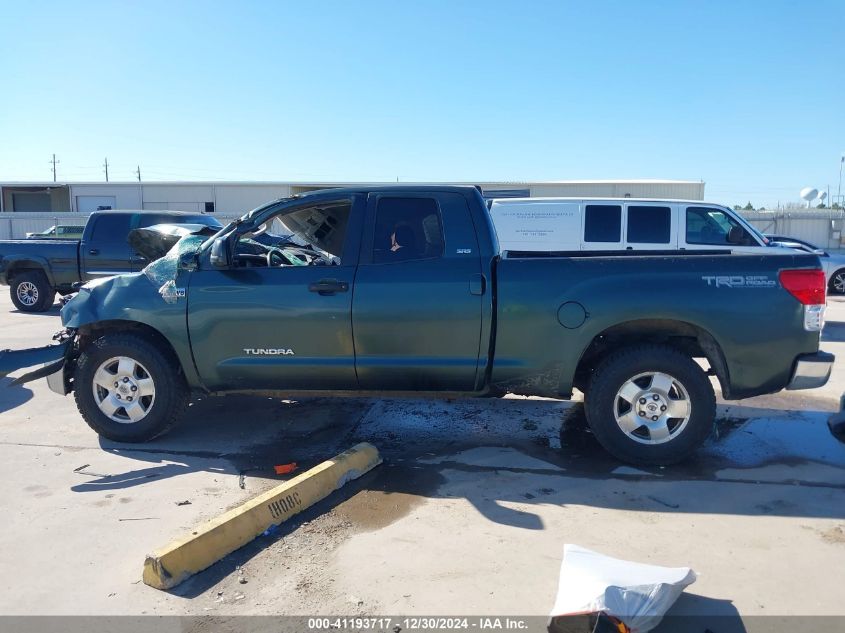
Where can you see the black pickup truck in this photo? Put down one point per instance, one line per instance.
(36, 269)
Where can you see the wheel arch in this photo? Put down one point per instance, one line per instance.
(18, 266)
(681, 335)
(92, 331)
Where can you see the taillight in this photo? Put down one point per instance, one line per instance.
(808, 286)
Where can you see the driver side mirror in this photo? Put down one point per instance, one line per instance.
(219, 253)
(736, 235)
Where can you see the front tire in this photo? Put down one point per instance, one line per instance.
(651, 405)
(31, 291)
(127, 389)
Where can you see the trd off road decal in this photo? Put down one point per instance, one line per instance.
(740, 281)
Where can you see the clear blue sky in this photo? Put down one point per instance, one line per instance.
(748, 96)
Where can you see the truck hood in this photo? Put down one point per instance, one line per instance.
(154, 242)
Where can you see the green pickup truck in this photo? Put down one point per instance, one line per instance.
(403, 290)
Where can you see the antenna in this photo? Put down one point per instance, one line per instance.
(137, 172)
(106, 166)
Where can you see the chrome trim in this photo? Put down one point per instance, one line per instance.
(811, 371)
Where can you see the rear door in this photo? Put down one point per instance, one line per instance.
(416, 311)
(105, 251)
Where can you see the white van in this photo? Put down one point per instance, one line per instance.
(592, 224)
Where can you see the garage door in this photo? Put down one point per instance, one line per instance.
(31, 202)
(87, 204)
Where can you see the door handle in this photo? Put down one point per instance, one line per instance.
(94, 251)
(326, 287)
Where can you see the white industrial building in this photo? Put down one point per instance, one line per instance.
(34, 206)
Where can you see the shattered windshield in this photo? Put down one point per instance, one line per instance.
(162, 272)
(307, 236)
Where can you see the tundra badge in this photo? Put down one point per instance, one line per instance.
(268, 351)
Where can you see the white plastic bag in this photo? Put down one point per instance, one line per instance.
(636, 594)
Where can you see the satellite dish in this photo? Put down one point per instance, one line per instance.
(809, 193)
(822, 195)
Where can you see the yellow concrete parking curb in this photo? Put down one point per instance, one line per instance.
(167, 567)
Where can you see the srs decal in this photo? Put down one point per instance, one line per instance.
(268, 351)
(740, 281)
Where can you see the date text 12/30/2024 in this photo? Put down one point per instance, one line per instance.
(421, 623)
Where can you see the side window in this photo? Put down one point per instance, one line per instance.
(708, 225)
(649, 225)
(308, 236)
(150, 219)
(406, 229)
(111, 227)
(603, 223)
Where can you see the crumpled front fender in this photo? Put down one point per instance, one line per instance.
(137, 300)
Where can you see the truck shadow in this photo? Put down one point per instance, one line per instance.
(834, 331)
(12, 397)
(501, 456)
(52, 312)
(421, 440)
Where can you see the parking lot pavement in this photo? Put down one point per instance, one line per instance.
(468, 514)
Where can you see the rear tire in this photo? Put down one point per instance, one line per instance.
(127, 389)
(31, 291)
(836, 286)
(650, 405)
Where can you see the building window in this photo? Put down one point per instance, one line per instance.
(209, 207)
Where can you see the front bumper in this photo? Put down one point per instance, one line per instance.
(50, 359)
(811, 371)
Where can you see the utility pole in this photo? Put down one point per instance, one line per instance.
(138, 173)
(54, 161)
(106, 166)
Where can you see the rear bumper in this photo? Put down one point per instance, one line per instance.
(811, 371)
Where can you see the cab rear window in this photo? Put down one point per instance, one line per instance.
(111, 227)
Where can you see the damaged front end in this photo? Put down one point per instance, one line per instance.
(151, 301)
(51, 358)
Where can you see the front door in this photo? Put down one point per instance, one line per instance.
(416, 313)
(277, 320)
(106, 252)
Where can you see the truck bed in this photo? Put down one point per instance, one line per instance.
(552, 306)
